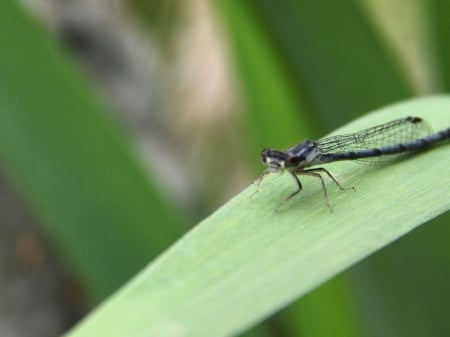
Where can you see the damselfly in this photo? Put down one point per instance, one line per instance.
(378, 144)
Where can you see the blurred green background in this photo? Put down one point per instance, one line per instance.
(124, 123)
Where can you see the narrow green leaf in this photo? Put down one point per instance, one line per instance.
(334, 300)
(334, 56)
(72, 162)
(438, 11)
(272, 101)
(246, 260)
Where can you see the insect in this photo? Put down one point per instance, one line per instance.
(378, 144)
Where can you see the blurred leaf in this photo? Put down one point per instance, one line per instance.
(272, 102)
(440, 27)
(246, 260)
(334, 300)
(72, 162)
(333, 56)
(404, 289)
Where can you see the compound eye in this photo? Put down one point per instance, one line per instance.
(264, 155)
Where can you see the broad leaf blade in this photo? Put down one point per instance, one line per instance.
(246, 260)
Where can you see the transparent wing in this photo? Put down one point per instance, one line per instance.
(399, 131)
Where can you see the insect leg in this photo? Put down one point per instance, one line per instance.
(299, 184)
(317, 175)
(258, 182)
(321, 169)
(299, 188)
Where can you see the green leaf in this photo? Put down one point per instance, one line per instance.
(439, 25)
(247, 260)
(72, 162)
(334, 300)
(403, 290)
(334, 56)
(272, 101)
